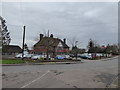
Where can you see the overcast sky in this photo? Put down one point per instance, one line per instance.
(71, 20)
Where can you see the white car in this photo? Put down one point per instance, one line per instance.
(45, 57)
(67, 57)
(28, 55)
(20, 56)
(99, 54)
(35, 57)
(40, 57)
(25, 56)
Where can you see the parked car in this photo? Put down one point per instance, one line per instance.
(20, 56)
(28, 56)
(67, 57)
(44, 57)
(86, 56)
(60, 57)
(35, 57)
(99, 54)
(72, 56)
(24, 56)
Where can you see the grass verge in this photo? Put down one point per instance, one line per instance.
(11, 61)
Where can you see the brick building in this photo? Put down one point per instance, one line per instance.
(54, 46)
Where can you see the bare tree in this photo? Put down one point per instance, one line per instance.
(72, 41)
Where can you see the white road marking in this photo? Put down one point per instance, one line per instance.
(35, 80)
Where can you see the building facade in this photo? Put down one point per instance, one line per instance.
(51, 45)
(10, 51)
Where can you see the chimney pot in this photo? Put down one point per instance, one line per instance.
(51, 35)
(41, 36)
(64, 40)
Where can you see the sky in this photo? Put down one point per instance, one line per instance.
(75, 21)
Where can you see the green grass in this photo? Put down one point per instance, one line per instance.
(11, 61)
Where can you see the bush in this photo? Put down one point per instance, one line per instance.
(41, 58)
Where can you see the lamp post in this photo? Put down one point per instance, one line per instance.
(76, 49)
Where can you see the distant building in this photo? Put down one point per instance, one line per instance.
(10, 51)
(54, 46)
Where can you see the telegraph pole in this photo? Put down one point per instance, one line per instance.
(23, 43)
(48, 47)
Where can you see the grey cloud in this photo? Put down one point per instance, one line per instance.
(64, 20)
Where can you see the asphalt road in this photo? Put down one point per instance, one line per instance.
(90, 74)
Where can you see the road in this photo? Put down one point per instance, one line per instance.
(90, 74)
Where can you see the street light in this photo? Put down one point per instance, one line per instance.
(76, 49)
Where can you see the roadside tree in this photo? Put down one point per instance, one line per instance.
(4, 34)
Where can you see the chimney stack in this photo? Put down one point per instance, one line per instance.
(41, 36)
(51, 35)
(64, 40)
